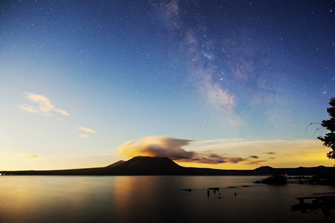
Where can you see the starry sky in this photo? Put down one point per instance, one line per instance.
(220, 84)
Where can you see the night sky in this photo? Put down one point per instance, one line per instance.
(228, 84)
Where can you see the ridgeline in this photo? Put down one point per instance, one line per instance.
(165, 166)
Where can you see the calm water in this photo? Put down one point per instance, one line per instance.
(151, 199)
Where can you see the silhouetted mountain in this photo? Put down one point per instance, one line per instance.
(149, 166)
(116, 164)
(165, 166)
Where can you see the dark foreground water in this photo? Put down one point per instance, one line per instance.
(37, 199)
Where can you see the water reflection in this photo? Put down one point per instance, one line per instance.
(150, 199)
(147, 198)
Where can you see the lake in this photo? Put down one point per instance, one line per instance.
(37, 199)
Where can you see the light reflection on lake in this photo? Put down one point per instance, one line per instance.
(151, 199)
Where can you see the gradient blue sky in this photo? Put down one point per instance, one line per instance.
(222, 84)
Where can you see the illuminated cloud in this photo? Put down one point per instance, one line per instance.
(44, 105)
(157, 146)
(28, 108)
(87, 130)
(165, 146)
(288, 153)
(31, 156)
(20, 155)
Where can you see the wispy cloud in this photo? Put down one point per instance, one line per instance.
(87, 129)
(255, 147)
(20, 155)
(43, 105)
(288, 153)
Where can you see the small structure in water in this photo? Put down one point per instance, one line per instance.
(274, 179)
(214, 189)
(322, 201)
(190, 190)
(317, 197)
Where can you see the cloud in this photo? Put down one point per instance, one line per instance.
(165, 146)
(234, 159)
(156, 146)
(28, 108)
(229, 151)
(31, 156)
(87, 130)
(211, 158)
(254, 162)
(254, 157)
(20, 155)
(287, 153)
(44, 105)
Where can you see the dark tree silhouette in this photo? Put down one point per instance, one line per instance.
(329, 138)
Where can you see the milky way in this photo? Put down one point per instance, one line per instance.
(230, 72)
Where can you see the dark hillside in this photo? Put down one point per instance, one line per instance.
(115, 164)
(149, 166)
(165, 166)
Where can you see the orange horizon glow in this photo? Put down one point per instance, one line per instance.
(248, 155)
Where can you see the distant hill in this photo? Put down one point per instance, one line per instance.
(116, 163)
(165, 166)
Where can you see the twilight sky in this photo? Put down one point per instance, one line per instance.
(228, 84)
